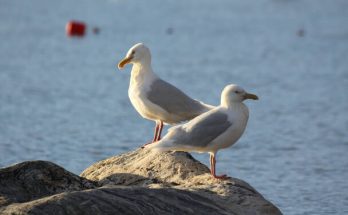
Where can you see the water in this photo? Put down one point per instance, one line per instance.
(63, 99)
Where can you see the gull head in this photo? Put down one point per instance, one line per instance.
(233, 94)
(139, 53)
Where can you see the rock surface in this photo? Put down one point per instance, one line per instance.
(36, 179)
(138, 182)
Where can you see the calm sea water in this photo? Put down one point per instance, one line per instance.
(63, 99)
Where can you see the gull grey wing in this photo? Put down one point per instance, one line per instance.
(204, 131)
(174, 101)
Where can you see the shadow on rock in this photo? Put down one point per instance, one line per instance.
(130, 200)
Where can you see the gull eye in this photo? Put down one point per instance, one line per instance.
(237, 91)
(133, 52)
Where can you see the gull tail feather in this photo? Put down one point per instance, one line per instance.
(207, 107)
(160, 146)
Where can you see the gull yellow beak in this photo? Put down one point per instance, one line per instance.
(125, 61)
(251, 96)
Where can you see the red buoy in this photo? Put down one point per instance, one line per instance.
(75, 28)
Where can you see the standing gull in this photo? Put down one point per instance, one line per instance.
(216, 129)
(155, 99)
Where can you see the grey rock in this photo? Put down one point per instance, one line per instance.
(138, 182)
(179, 170)
(118, 200)
(30, 180)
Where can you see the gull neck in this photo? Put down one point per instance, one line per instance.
(142, 71)
(231, 105)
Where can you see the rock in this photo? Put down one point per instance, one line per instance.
(138, 182)
(179, 170)
(31, 180)
(120, 200)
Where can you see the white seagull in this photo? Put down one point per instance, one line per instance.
(155, 99)
(216, 129)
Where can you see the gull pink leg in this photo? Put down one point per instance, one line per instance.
(156, 132)
(160, 128)
(154, 135)
(212, 169)
(211, 164)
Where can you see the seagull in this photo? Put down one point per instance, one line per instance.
(216, 129)
(154, 98)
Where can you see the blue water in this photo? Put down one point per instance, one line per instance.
(62, 99)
